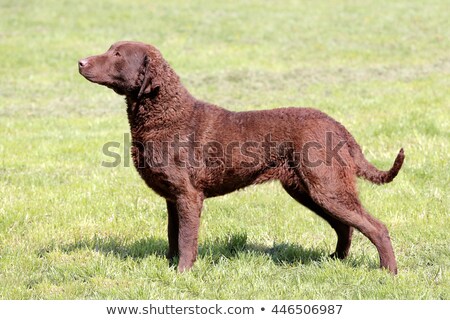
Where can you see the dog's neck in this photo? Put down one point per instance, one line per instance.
(167, 109)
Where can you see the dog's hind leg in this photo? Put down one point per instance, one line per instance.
(344, 232)
(339, 198)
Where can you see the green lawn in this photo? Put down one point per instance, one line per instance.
(72, 229)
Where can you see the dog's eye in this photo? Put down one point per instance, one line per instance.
(117, 54)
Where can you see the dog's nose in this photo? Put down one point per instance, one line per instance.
(82, 63)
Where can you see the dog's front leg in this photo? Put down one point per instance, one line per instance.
(189, 209)
(172, 230)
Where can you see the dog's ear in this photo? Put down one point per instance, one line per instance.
(152, 79)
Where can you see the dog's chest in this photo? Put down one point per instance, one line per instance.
(152, 160)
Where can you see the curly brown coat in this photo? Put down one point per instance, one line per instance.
(187, 150)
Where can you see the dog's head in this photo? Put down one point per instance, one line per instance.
(129, 68)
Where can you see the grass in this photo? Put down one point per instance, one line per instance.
(72, 229)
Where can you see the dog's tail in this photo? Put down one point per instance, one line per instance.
(369, 172)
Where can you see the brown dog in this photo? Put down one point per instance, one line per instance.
(187, 150)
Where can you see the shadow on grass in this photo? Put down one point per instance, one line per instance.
(114, 246)
(228, 246)
(234, 245)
